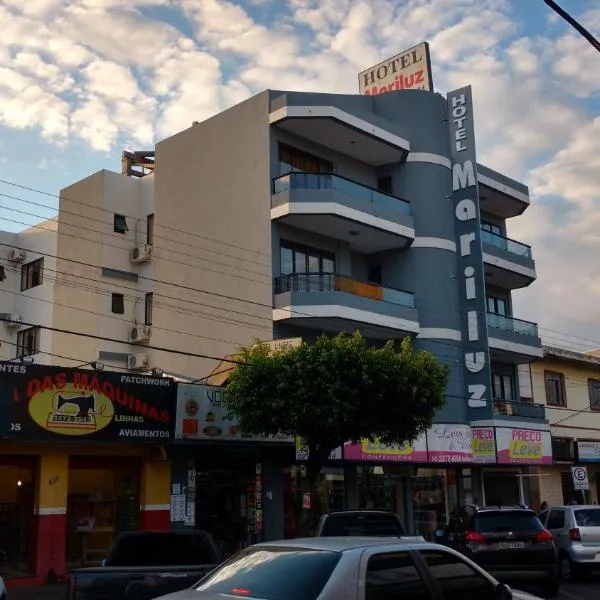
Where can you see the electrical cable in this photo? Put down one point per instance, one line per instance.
(574, 23)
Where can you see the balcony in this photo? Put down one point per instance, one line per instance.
(331, 205)
(527, 410)
(334, 303)
(508, 263)
(501, 195)
(350, 129)
(513, 340)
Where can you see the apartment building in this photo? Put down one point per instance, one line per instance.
(568, 383)
(293, 214)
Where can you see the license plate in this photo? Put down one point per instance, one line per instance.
(511, 545)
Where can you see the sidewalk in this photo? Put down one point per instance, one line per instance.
(42, 592)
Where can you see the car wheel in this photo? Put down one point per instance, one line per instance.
(568, 569)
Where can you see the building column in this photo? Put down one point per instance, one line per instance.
(155, 495)
(50, 520)
(351, 485)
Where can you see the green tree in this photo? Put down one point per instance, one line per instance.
(336, 390)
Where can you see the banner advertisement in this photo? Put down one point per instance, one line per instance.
(408, 70)
(484, 445)
(202, 415)
(52, 403)
(588, 451)
(415, 451)
(450, 444)
(523, 446)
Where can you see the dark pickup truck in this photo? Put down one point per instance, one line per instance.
(146, 564)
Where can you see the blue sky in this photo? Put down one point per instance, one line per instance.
(82, 80)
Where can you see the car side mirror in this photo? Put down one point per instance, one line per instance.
(503, 592)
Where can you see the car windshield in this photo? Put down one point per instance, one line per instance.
(372, 524)
(506, 520)
(588, 517)
(273, 574)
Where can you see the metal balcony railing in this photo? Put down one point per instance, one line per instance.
(519, 409)
(329, 181)
(504, 243)
(511, 324)
(332, 282)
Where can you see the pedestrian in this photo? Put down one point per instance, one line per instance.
(543, 506)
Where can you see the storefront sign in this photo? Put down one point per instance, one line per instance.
(484, 445)
(410, 69)
(589, 451)
(378, 452)
(450, 444)
(523, 446)
(55, 402)
(580, 478)
(202, 415)
(470, 274)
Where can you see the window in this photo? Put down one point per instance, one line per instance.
(292, 159)
(556, 519)
(497, 306)
(486, 226)
(118, 304)
(457, 579)
(2, 273)
(120, 224)
(296, 258)
(374, 525)
(587, 517)
(563, 449)
(556, 394)
(394, 576)
(594, 391)
(150, 230)
(375, 274)
(32, 274)
(28, 342)
(384, 184)
(148, 308)
(506, 520)
(503, 387)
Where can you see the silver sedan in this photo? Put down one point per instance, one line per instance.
(349, 569)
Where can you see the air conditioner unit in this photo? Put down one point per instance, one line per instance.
(16, 255)
(11, 320)
(141, 254)
(138, 361)
(140, 334)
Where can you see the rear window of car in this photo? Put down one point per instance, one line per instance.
(362, 525)
(506, 520)
(588, 517)
(273, 574)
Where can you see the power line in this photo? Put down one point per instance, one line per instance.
(574, 23)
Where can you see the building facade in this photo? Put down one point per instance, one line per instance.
(568, 383)
(292, 214)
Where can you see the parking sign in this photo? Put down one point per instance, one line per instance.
(580, 478)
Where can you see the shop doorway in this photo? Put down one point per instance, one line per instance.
(17, 493)
(502, 488)
(102, 502)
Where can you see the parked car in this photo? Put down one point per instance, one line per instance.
(352, 569)
(509, 542)
(145, 564)
(576, 531)
(2, 589)
(356, 523)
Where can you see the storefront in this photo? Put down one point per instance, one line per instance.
(588, 455)
(84, 461)
(225, 482)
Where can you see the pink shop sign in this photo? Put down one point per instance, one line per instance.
(415, 451)
(450, 444)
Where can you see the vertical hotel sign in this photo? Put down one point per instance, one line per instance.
(470, 274)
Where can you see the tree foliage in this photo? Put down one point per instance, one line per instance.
(336, 390)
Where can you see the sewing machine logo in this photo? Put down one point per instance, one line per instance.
(71, 411)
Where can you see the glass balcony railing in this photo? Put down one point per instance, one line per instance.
(332, 282)
(329, 181)
(504, 243)
(511, 324)
(519, 409)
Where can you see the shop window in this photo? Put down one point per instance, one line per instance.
(435, 497)
(32, 274)
(502, 488)
(594, 391)
(297, 501)
(394, 576)
(28, 342)
(17, 493)
(293, 159)
(556, 394)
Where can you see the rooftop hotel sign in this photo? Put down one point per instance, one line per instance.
(470, 274)
(408, 70)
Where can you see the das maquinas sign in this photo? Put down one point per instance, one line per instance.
(470, 273)
(55, 402)
(407, 70)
